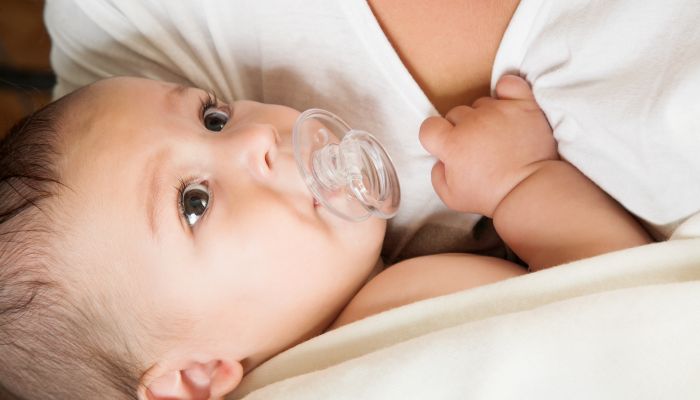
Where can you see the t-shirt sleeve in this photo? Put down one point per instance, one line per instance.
(618, 81)
(95, 39)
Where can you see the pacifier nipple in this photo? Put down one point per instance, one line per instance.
(348, 171)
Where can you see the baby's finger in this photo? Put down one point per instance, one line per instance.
(439, 180)
(459, 114)
(482, 101)
(513, 87)
(433, 133)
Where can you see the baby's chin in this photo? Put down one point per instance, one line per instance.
(364, 234)
(369, 239)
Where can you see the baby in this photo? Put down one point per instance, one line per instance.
(158, 244)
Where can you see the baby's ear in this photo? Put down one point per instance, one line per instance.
(197, 381)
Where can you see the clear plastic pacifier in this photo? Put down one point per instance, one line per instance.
(348, 171)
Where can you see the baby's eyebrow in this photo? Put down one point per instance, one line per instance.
(154, 190)
(176, 92)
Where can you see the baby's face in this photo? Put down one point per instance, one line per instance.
(198, 214)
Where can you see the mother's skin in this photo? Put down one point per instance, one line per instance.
(448, 46)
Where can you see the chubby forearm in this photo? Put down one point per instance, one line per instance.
(499, 158)
(422, 278)
(556, 215)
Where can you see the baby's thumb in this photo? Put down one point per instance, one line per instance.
(513, 87)
(439, 180)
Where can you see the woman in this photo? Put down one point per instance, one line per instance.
(615, 79)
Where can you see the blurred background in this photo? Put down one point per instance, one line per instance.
(25, 73)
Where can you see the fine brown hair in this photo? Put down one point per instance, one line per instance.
(51, 346)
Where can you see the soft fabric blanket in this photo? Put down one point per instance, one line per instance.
(620, 325)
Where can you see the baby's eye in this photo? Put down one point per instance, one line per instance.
(214, 119)
(194, 201)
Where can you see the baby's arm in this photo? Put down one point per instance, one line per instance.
(498, 158)
(422, 278)
(556, 215)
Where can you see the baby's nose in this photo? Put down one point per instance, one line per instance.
(256, 144)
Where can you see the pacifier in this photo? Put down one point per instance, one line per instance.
(347, 171)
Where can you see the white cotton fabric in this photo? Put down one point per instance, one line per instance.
(304, 54)
(617, 79)
(619, 82)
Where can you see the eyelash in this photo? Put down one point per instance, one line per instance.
(208, 102)
(183, 183)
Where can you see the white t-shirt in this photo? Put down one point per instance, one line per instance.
(614, 78)
(304, 54)
(619, 82)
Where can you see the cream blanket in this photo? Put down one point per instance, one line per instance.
(621, 325)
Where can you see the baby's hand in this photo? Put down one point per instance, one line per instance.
(485, 150)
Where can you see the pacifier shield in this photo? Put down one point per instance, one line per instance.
(348, 171)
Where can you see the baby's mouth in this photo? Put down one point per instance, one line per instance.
(295, 179)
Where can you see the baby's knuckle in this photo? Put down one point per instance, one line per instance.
(426, 127)
(458, 113)
(428, 130)
(482, 102)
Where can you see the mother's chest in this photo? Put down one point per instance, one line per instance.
(448, 46)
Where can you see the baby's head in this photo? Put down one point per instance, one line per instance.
(151, 238)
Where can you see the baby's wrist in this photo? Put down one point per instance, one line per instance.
(524, 175)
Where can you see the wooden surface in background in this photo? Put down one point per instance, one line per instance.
(24, 45)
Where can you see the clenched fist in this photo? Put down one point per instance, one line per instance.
(486, 150)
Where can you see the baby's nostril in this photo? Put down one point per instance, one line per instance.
(270, 156)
